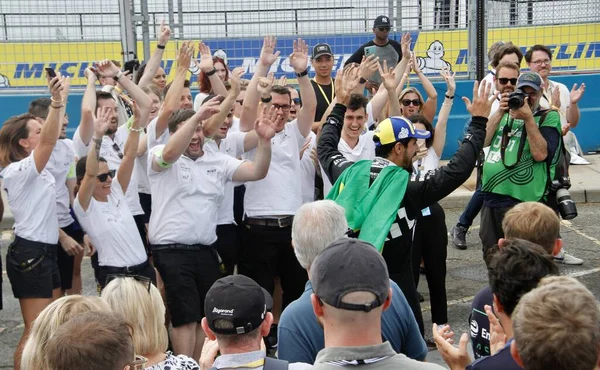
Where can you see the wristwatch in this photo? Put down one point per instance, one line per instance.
(117, 76)
(214, 70)
(302, 74)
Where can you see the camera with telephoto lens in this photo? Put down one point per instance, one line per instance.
(566, 206)
(516, 99)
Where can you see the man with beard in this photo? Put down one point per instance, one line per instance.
(188, 185)
(388, 201)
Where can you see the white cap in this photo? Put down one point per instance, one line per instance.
(221, 54)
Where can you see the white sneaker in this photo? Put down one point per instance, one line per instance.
(567, 259)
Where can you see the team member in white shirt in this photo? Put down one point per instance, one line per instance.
(101, 206)
(270, 204)
(25, 149)
(188, 186)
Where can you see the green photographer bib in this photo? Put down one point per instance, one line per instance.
(527, 180)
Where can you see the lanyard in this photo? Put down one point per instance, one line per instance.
(323, 92)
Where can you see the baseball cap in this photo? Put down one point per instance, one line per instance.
(221, 54)
(530, 79)
(350, 265)
(393, 129)
(382, 21)
(239, 300)
(321, 49)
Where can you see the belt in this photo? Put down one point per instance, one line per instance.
(127, 269)
(271, 222)
(32, 243)
(180, 247)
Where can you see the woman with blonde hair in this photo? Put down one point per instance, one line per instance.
(411, 100)
(140, 302)
(53, 316)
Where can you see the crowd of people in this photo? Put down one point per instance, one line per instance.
(260, 225)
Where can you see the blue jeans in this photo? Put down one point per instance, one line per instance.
(473, 208)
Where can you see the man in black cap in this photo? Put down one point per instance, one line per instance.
(238, 317)
(322, 61)
(351, 290)
(382, 46)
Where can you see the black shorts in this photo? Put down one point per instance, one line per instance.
(66, 262)
(141, 226)
(187, 275)
(146, 203)
(228, 246)
(144, 269)
(32, 268)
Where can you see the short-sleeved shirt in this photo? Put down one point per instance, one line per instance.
(112, 229)
(280, 192)
(32, 199)
(186, 197)
(307, 167)
(300, 337)
(151, 135)
(59, 164)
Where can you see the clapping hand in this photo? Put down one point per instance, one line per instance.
(576, 93)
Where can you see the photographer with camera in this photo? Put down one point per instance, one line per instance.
(525, 149)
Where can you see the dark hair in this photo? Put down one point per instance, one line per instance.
(12, 131)
(515, 269)
(281, 90)
(537, 47)
(80, 167)
(153, 89)
(139, 73)
(384, 151)
(103, 95)
(419, 118)
(204, 82)
(506, 49)
(358, 101)
(180, 115)
(39, 107)
(186, 83)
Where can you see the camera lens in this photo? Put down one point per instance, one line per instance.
(566, 206)
(516, 100)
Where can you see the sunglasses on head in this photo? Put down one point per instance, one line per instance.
(141, 279)
(383, 29)
(504, 81)
(407, 102)
(103, 177)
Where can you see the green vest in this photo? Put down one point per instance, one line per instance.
(528, 179)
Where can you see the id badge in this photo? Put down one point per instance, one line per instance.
(426, 212)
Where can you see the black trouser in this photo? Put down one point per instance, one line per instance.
(430, 243)
(227, 245)
(407, 284)
(491, 226)
(267, 252)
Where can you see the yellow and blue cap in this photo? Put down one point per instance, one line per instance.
(394, 129)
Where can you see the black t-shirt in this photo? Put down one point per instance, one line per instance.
(480, 324)
(325, 95)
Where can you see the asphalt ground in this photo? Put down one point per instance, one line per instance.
(466, 276)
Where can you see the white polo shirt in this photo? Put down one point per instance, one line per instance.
(141, 170)
(233, 146)
(32, 199)
(280, 193)
(109, 151)
(59, 164)
(151, 135)
(186, 198)
(112, 229)
(307, 166)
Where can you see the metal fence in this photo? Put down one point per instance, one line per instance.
(70, 34)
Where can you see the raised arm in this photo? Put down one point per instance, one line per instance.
(88, 107)
(388, 79)
(573, 109)
(430, 105)
(106, 68)
(131, 146)
(299, 61)
(65, 96)
(268, 56)
(439, 140)
(212, 125)
(173, 97)
(86, 189)
(50, 128)
(207, 66)
(366, 69)
(265, 129)
(155, 59)
(180, 140)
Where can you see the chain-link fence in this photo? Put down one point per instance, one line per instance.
(69, 34)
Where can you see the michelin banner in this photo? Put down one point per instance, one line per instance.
(575, 48)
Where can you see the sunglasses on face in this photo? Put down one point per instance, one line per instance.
(383, 29)
(504, 81)
(407, 102)
(296, 101)
(118, 150)
(103, 177)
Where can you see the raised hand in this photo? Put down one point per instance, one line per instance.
(481, 105)
(405, 45)
(106, 68)
(576, 93)
(414, 65)
(66, 84)
(282, 81)
(449, 78)
(265, 125)
(56, 86)
(90, 74)
(388, 76)
(368, 66)
(184, 55)
(299, 57)
(265, 84)
(209, 109)
(556, 97)
(206, 58)
(235, 80)
(165, 34)
(102, 121)
(345, 82)
(268, 55)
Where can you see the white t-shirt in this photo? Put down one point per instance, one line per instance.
(32, 199)
(141, 171)
(489, 78)
(232, 145)
(235, 125)
(110, 150)
(307, 167)
(364, 149)
(430, 162)
(59, 164)
(565, 100)
(186, 198)
(280, 193)
(198, 100)
(371, 120)
(151, 134)
(112, 229)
